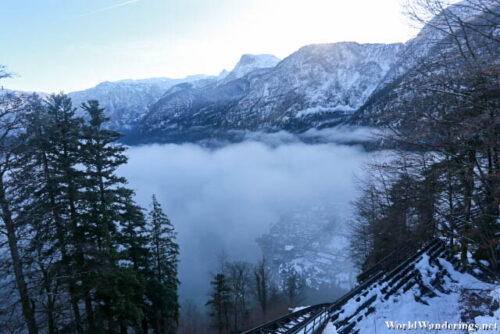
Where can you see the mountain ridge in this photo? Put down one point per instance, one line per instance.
(317, 86)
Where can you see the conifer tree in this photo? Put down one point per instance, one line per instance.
(98, 264)
(220, 303)
(163, 279)
(112, 219)
(49, 183)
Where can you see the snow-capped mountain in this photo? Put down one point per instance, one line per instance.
(249, 63)
(317, 85)
(426, 56)
(334, 79)
(127, 101)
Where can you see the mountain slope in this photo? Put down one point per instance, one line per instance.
(312, 243)
(315, 87)
(435, 56)
(314, 84)
(127, 101)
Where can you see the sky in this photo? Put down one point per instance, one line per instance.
(61, 45)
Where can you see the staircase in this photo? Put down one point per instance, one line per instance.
(377, 285)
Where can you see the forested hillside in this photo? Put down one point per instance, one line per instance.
(82, 256)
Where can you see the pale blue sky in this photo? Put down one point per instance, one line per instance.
(67, 45)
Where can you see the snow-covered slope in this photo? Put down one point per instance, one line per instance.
(427, 292)
(127, 101)
(425, 55)
(318, 84)
(313, 243)
(249, 63)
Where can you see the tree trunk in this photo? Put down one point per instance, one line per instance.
(16, 262)
(62, 245)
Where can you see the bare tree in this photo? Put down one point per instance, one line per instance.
(11, 109)
(262, 284)
(445, 108)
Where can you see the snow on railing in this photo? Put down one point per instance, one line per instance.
(313, 324)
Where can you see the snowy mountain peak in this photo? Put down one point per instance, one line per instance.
(249, 63)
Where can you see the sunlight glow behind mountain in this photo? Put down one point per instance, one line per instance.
(60, 45)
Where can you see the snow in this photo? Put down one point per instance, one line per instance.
(127, 101)
(484, 263)
(403, 308)
(263, 93)
(330, 329)
(247, 64)
(495, 317)
(313, 242)
(298, 308)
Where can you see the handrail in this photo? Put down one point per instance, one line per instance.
(316, 322)
(367, 283)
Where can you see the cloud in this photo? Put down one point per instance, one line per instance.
(224, 198)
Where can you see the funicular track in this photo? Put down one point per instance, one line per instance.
(375, 283)
(287, 323)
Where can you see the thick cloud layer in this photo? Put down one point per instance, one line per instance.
(222, 199)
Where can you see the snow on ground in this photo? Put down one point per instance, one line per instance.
(330, 329)
(445, 308)
(491, 319)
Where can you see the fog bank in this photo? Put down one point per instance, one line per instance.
(224, 198)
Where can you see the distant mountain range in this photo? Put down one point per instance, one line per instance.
(317, 86)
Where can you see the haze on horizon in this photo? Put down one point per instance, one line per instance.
(58, 45)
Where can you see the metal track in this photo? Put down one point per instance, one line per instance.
(289, 321)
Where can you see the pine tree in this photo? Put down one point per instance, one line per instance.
(111, 219)
(134, 257)
(34, 211)
(163, 278)
(48, 183)
(90, 250)
(220, 303)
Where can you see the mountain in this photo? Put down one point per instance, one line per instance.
(127, 101)
(435, 54)
(249, 63)
(316, 86)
